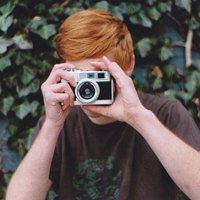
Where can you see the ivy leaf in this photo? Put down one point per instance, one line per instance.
(47, 31)
(4, 44)
(150, 2)
(141, 19)
(132, 8)
(22, 110)
(154, 13)
(27, 74)
(165, 53)
(157, 84)
(5, 61)
(32, 88)
(196, 63)
(192, 80)
(169, 69)
(182, 3)
(164, 7)
(22, 42)
(8, 7)
(191, 86)
(35, 23)
(28, 140)
(103, 5)
(143, 47)
(11, 81)
(194, 24)
(34, 106)
(40, 27)
(185, 96)
(21, 56)
(5, 104)
(5, 22)
(10, 158)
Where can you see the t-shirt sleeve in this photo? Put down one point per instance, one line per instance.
(181, 123)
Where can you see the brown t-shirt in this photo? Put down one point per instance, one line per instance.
(113, 161)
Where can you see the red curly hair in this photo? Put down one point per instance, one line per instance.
(93, 33)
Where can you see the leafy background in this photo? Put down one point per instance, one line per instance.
(166, 35)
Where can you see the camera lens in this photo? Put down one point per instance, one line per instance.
(87, 90)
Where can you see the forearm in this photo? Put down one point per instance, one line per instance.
(31, 179)
(181, 161)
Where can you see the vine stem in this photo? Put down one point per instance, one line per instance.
(188, 44)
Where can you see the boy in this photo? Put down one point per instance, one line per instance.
(140, 147)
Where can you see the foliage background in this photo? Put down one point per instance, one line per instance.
(166, 35)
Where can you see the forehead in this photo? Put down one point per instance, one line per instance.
(84, 64)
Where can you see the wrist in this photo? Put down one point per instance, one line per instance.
(140, 118)
(51, 128)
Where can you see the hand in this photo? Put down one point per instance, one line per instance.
(55, 92)
(127, 103)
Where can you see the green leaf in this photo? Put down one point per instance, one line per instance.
(169, 69)
(154, 13)
(8, 7)
(32, 88)
(6, 104)
(186, 97)
(164, 7)
(22, 110)
(22, 42)
(4, 44)
(35, 23)
(11, 81)
(5, 62)
(182, 3)
(196, 63)
(141, 19)
(194, 23)
(191, 86)
(34, 105)
(47, 31)
(21, 56)
(28, 140)
(143, 47)
(12, 128)
(103, 5)
(150, 2)
(157, 84)
(132, 8)
(27, 74)
(5, 22)
(165, 53)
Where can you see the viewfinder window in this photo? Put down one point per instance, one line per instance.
(101, 75)
(90, 75)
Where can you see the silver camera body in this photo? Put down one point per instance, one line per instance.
(93, 87)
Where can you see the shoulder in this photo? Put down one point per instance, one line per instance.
(157, 104)
(169, 111)
(174, 116)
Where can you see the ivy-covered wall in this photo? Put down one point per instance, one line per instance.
(166, 35)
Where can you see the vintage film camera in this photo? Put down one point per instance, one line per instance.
(93, 87)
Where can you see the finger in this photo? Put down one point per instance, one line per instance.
(61, 88)
(113, 67)
(64, 88)
(58, 75)
(63, 66)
